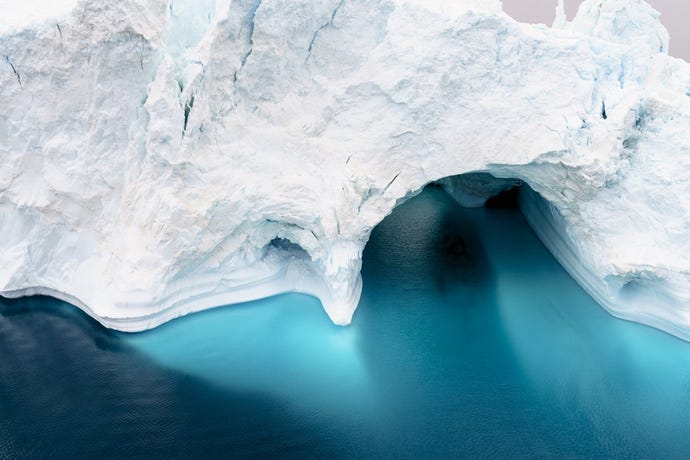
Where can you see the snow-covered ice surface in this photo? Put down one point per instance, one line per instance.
(161, 157)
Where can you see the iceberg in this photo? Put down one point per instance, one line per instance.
(161, 157)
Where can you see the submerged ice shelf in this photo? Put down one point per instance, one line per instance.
(162, 157)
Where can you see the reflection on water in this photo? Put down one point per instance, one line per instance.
(469, 340)
(283, 346)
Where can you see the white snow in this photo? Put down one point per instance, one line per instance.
(19, 14)
(153, 151)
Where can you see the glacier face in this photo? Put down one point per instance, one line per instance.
(165, 156)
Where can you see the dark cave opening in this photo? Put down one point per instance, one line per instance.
(507, 199)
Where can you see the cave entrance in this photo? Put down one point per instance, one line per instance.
(477, 189)
(448, 246)
(453, 244)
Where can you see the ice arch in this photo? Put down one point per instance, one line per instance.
(147, 174)
(623, 296)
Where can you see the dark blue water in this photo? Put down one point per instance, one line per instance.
(470, 340)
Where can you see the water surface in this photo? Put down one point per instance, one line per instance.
(470, 340)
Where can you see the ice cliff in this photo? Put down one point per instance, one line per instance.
(159, 157)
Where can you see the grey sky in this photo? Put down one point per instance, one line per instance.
(675, 15)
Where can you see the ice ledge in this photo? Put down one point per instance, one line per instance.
(644, 295)
(283, 276)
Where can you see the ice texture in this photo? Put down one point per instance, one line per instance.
(162, 157)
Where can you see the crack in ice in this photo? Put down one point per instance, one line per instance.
(14, 70)
(327, 24)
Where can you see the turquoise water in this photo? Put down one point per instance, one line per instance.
(470, 340)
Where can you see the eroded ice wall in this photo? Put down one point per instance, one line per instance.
(154, 152)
